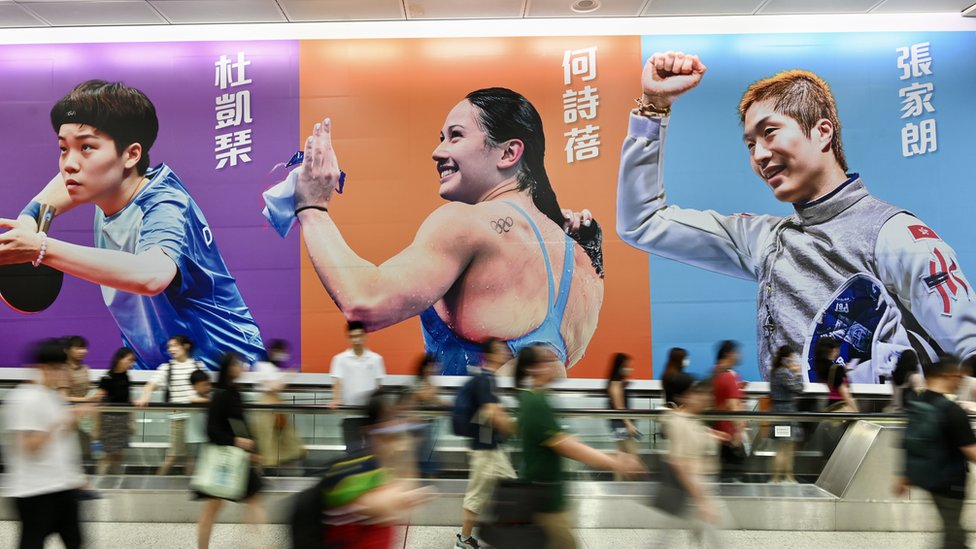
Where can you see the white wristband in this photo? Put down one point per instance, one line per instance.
(40, 255)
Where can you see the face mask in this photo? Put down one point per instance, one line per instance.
(529, 382)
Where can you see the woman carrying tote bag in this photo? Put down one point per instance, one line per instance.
(690, 464)
(229, 435)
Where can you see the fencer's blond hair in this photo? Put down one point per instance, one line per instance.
(801, 95)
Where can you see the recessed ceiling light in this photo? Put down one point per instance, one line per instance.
(585, 6)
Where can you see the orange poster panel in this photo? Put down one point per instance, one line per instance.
(388, 100)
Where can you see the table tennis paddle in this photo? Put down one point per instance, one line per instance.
(28, 289)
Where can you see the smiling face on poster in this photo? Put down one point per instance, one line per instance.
(466, 162)
(489, 257)
(838, 262)
(476, 247)
(155, 264)
(457, 221)
(502, 217)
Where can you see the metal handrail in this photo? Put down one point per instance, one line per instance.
(753, 391)
(441, 411)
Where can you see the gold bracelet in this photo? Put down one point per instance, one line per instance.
(648, 109)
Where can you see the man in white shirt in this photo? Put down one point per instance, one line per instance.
(844, 266)
(356, 373)
(43, 458)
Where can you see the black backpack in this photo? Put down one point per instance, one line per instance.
(305, 520)
(465, 408)
(927, 460)
(509, 519)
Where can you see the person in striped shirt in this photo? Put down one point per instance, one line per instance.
(174, 376)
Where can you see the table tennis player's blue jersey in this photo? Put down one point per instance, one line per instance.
(203, 301)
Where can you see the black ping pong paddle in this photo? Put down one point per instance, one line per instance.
(28, 289)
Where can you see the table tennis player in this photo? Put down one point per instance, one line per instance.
(154, 256)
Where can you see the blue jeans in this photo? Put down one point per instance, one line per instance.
(426, 441)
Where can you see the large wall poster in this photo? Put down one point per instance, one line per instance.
(222, 160)
(906, 128)
(901, 96)
(388, 100)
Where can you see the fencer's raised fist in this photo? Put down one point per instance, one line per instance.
(668, 75)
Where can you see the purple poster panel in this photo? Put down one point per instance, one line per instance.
(228, 112)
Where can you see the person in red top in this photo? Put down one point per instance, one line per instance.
(728, 397)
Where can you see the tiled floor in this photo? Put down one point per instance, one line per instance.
(183, 536)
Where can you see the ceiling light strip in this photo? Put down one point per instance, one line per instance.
(771, 24)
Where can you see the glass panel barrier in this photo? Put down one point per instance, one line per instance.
(302, 434)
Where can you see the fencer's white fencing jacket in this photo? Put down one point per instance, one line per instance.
(804, 262)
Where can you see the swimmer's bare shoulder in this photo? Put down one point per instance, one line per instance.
(460, 226)
(472, 223)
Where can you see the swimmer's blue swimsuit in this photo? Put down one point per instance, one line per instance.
(456, 354)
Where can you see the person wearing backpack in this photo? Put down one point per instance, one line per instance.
(359, 498)
(479, 416)
(938, 444)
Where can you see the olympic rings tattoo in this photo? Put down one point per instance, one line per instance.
(502, 225)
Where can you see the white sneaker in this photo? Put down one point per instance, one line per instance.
(467, 543)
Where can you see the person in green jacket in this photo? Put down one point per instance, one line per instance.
(545, 443)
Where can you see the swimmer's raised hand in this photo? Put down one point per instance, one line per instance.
(319, 174)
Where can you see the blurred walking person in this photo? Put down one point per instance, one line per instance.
(625, 433)
(424, 393)
(674, 375)
(43, 459)
(274, 432)
(939, 444)
(545, 443)
(479, 415)
(364, 497)
(115, 428)
(727, 388)
(356, 373)
(690, 464)
(174, 377)
(831, 370)
(907, 381)
(226, 426)
(78, 389)
(785, 384)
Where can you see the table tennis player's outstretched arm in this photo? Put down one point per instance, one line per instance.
(53, 194)
(146, 273)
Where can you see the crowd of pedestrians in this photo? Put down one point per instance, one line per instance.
(55, 421)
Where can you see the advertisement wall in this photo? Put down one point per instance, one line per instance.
(179, 78)
(708, 162)
(230, 111)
